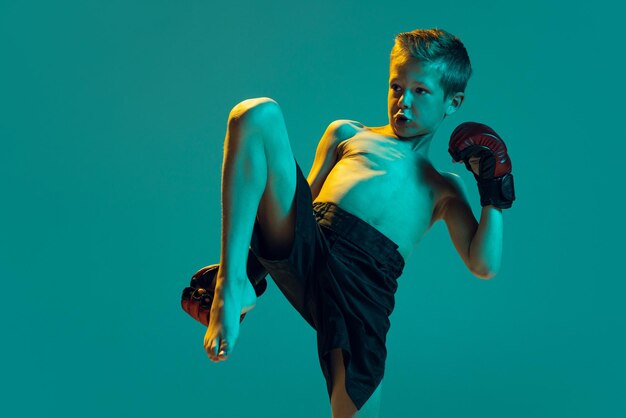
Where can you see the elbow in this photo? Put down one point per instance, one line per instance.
(485, 276)
(483, 273)
(484, 268)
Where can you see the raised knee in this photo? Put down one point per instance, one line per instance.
(253, 112)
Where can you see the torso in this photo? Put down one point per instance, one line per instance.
(382, 181)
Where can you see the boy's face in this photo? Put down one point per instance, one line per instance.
(415, 91)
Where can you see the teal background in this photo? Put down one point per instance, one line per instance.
(112, 121)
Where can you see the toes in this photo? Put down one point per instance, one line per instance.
(219, 350)
(211, 349)
(224, 350)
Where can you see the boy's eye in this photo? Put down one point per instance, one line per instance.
(418, 90)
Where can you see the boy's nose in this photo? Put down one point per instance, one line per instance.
(404, 101)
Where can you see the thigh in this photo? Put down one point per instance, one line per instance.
(261, 119)
(295, 271)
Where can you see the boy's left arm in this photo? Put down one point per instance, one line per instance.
(478, 243)
(485, 155)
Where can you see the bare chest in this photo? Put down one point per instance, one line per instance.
(386, 186)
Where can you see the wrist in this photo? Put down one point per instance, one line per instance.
(498, 191)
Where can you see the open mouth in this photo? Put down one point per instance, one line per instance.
(401, 119)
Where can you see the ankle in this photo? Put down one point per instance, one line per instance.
(230, 284)
(234, 276)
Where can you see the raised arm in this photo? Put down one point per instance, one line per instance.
(485, 155)
(478, 244)
(326, 155)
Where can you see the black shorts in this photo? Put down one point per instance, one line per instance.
(341, 275)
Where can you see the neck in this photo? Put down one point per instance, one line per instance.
(419, 144)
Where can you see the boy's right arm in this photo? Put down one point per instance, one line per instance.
(326, 155)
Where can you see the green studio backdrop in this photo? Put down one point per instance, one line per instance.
(112, 125)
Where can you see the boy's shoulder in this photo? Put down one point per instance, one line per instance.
(346, 128)
(348, 122)
(452, 179)
(451, 185)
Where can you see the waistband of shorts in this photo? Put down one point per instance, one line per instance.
(360, 233)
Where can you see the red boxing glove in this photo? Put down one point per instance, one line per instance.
(495, 181)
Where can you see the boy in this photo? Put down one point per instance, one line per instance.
(336, 242)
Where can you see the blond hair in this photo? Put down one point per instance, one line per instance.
(441, 49)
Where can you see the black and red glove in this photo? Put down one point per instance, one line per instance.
(495, 181)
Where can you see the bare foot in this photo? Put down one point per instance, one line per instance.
(232, 298)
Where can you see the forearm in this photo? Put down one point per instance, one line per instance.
(486, 246)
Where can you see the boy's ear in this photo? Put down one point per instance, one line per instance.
(454, 103)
